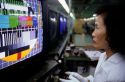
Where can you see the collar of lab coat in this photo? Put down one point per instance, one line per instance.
(107, 64)
(115, 58)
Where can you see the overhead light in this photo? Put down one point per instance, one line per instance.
(64, 4)
(71, 14)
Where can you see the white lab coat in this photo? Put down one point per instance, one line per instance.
(110, 70)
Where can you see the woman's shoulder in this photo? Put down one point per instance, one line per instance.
(117, 71)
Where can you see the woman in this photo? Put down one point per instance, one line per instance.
(109, 29)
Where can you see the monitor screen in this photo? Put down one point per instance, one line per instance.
(20, 31)
(65, 25)
(62, 25)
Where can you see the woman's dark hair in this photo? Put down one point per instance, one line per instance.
(114, 16)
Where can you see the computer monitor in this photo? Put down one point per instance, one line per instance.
(21, 32)
(65, 25)
(62, 26)
(53, 25)
(52, 30)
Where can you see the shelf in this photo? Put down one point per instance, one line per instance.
(77, 58)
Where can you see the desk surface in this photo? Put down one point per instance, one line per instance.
(46, 69)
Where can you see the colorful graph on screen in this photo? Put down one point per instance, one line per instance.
(20, 30)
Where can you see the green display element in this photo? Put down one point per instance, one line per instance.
(5, 11)
(14, 2)
(10, 1)
(18, 12)
(6, 1)
(1, 12)
(22, 3)
(11, 12)
(13, 21)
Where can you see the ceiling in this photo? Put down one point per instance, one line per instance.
(83, 8)
(86, 8)
(80, 8)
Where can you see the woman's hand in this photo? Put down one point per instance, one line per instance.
(74, 77)
(70, 79)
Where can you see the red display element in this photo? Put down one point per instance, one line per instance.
(29, 22)
(19, 56)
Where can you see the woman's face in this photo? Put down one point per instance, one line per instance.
(99, 34)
